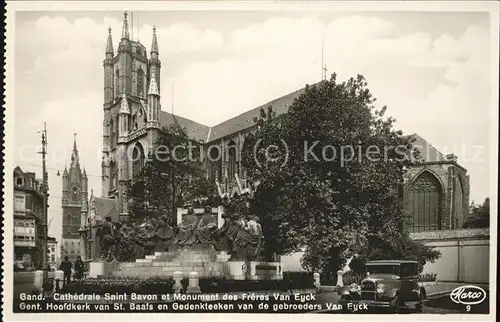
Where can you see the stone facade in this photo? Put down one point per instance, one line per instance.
(453, 183)
(74, 194)
(133, 118)
(28, 210)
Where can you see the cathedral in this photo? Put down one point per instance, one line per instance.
(436, 189)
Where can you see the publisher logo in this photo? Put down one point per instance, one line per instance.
(468, 295)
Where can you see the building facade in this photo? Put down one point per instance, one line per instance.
(52, 257)
(74, 192)
(436, 189)
(28, 209)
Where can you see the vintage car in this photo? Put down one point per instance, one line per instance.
(391, 284)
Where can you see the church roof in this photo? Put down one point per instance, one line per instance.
(245, 120)
(200, 132)
(428, 153)
(106, 207)
(196, 131)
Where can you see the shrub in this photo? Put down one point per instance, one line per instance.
(158, 285)
(353, 277)
(427, 277)
(155, 285)
(398, 248)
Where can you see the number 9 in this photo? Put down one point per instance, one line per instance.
(467, 308)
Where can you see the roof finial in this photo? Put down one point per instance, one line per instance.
(154, 45)
(125, 33)
(109, 44)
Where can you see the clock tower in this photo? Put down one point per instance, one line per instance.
(74, 192)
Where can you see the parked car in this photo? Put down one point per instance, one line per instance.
(391, 284)
(19, 267)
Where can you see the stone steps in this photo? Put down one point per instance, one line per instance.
(205, 261)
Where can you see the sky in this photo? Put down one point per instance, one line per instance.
(431, 69)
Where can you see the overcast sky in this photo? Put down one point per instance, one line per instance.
(430, 69)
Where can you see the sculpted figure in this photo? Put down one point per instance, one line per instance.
(106, 239)
(125, 245)
(222, 236)
(207, 227)
(186, 234)
(164, 234)
(254, 240)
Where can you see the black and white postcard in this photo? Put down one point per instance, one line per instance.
(251, 158)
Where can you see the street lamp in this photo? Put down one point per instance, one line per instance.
(46, 282)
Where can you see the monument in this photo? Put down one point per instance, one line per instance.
(220, 242)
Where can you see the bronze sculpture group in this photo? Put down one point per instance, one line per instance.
(240, 236)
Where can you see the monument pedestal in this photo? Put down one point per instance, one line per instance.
(102, 268)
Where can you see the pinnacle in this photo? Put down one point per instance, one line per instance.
(154, 45)
(125, 32)
(124, 109)
(109, 44)
(153, 86)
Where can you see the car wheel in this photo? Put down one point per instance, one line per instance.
(395, 305)
(420, 305)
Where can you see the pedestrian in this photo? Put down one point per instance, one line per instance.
(66, 267)
(79, 268)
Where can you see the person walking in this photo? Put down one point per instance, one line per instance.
(66, 267)
(79, 268)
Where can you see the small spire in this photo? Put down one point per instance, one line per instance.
(109, 44)
(153, 86)
(84, 173)
(65, 173)
(74, 154)
(125, 32)
(124, 106)
(74, 143)
(154, 45)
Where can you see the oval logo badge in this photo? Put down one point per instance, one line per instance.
(468, 295)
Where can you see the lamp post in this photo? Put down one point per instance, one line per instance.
(46, 282)
(45, 194)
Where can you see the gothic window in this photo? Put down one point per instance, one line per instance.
(137, 160)
(112, 175)
(215, 163)
(425, 203)
(112, 133)
(458, 205)
(232, 160)
(247, 149)
(117, 83)
(140, 83)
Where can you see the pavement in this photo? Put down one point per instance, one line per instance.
(437, 302)
(24, 282)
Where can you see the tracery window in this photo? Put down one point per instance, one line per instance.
(140, 83)
(425, 203)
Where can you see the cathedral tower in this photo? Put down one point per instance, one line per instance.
(131, 113)
(74, 192)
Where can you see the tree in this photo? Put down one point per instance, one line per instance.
(330, 171)
(400, 248)
(479, 215)
(172, 177)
